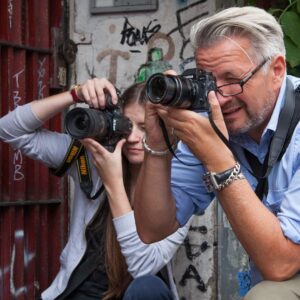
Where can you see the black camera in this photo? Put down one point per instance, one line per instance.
(107, 126)
(188, 90)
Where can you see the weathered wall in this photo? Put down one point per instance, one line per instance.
(115, 46)
(33, 206)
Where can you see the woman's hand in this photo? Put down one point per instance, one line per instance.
(108, 165)
(94, 92)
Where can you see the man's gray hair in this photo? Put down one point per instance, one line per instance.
(254, 23)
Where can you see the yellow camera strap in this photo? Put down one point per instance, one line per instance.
(71, 155)
(76, 152)
(84, 173)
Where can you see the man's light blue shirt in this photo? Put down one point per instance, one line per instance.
(283, 198)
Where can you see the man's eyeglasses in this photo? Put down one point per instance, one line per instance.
(232, 89)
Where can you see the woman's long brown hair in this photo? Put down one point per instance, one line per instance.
(116, 267)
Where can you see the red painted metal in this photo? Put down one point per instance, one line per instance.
(33, 215)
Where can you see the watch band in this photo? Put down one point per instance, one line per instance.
(73, 92)
(218, 181)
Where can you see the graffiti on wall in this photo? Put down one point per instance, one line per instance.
(16, 291)
(192, 273)
(114, 55)
(10, 10)
(183, 22)
(151, 35)
(192, 253)
(18, 160)
(41, 77)
(133, 36)
(17, 155)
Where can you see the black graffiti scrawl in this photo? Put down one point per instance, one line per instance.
(192, 273)
(132, 36)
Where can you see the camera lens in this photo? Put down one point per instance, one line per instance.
(82, 122)
(160, 89)
(170, 90)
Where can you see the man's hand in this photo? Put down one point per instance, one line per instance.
(197, 133)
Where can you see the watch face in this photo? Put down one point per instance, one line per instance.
(209, 183)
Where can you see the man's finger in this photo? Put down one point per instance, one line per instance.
(215, 107)
(216, 113)
(170, 72)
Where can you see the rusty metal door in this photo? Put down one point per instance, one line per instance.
(33, 215)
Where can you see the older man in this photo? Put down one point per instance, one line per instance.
(254, 102)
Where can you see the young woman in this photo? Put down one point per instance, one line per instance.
(104, 253)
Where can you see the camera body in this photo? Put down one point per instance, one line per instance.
(188, 90)
(107, 126)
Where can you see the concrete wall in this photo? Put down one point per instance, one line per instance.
(115, 46)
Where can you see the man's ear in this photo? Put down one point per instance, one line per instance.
(278, 69)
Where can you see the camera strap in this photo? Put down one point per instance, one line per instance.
(84, 173)
(71, 155)
(170, 147)
(287, 121)
(77, 152)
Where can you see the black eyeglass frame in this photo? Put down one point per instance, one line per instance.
(243, 81)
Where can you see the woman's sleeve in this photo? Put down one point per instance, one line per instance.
(21, 129)
(141, 258)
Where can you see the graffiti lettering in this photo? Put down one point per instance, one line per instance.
(16, 77)
(17, 157)
(169, 54)
(114, 54)
(201, 229)
(10, 10)
(192, 273)
(28, 257)
(41, 74)
(19, 236)
(16, 98)
(189, 251)
(198, 6)
(131, 35)
(18, 161)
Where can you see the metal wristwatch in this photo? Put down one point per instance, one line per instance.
(218, 181)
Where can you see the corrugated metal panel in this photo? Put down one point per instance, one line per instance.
(33, 215)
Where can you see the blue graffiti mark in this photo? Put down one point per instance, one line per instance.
(244, 281)
(182, 2)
